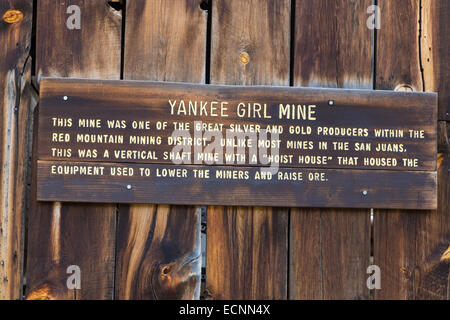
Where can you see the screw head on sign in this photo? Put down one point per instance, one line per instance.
(331, 102)
(364, 192)
(13, 16)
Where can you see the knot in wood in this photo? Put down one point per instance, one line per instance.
(446, 255)
(406, 272)
(244, 58)
(13, 16)
(166, 270)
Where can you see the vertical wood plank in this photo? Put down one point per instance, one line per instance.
(434, 229)
(15, 93)
(435, 51)
(93, 51)
(333, 46)
(398, 68)
(330, 248)
(247, 247)
(159, 249)
(67, 234)
(409, 245)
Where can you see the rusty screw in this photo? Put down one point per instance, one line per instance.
(13, 16)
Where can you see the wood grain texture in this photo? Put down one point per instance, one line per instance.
(93, 51)
(330, 248)
(245, 253)
(395, 234)
(333, 46)
(339, 188)
(15, 94)
(61, 235)
(158, 247)
(165, 41)
(409, 246)
(158, 252)
(148, 100)
(354, 118)
(398, 52)
(250, 42)
(328, 260)
(247, 247)
(435, 51)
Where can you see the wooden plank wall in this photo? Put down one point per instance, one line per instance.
(15, 98)
(330, 248)
(153, 252)
(247, 247)
(158, 246)
(411, 56)
(61, 235)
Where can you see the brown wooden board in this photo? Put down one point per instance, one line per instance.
(65, 234)
(246, 256)
(435, 51)
(142, 251)
(362, 129)
(411, 248)
(174, 184)
(158, 246)
(330, 248)
(120, 112)
(15, 115)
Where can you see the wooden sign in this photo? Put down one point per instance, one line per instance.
(173, 143)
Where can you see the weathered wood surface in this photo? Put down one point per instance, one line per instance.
(158, 247)
(148, 101)
(330, 248)
(357, 114)
(93, 51)
(328, 263)
(336, 188)
(409, 246)
(247, 247)
(61, 235)
(15, 94)
(395, 234)
(435, 51)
